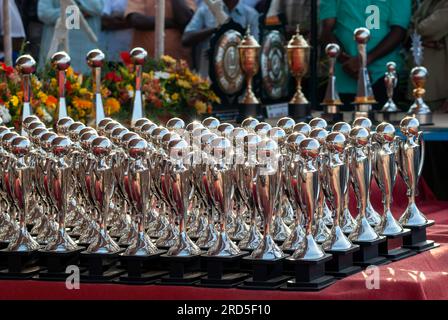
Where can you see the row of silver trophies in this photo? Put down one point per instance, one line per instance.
(157, 187)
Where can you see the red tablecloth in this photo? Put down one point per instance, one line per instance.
(424, 276)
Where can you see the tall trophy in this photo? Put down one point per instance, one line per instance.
(95, 60)
(419, 108)
(61, 62)
(309, 258)
(411, 158)
(21, 253)
(138, 56)
(298, 52)
(364, 96)
(386, 148)
(249, 53)
(224, 256)
(390, 81)
(336, 170)
(332, 102)
(26, 66)
(348, 223)
(364, 235)
(267, 258)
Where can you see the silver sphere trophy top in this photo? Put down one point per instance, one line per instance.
(26, 66)
(95, 60)
(60, 61)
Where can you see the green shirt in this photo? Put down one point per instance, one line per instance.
(352, 14)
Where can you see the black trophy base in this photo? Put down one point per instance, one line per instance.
(266, 274)
(300, 112)
(333, 118)
(309, 275)
(20, 265)
(254, 110)
(101, 267)
(182, 270)
(397, 253)
(341, 265)
(141, 269)
(417, 240)
(368, 254)
(56, 264)
(223, 272)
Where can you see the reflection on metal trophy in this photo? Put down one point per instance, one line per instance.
(390, 81)
(61, 62)
(138, 56)
(420, 109)
(332, 102)
(26, 66)
(95, 60)
(364, 96)
(298, 52)
(412, 155)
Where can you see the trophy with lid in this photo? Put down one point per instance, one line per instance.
(298, 52)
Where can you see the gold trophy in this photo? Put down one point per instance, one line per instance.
(420, 109)
(298, 52)
(249, 51)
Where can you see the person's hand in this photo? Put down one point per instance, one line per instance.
(351, 67)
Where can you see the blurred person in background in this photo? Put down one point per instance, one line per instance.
(141, 16)
(17, 30)
(80, 44)
(203, 25)
(116, 34)
(33, 27)
(431, 23)
(388, 22)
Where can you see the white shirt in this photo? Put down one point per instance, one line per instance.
(17, 29)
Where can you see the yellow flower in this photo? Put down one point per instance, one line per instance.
(14, 101)
(175, 96)
(53, 83)
(40, 112)
(112, 106)
(184, 84)
(83, 91)
(168, 59)
(42, 96)
(79, 103)
(70, 72)
(200, 107)
(129, 87)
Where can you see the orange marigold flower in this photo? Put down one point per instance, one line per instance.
(112, 106)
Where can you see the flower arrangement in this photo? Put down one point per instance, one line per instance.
(170, 89)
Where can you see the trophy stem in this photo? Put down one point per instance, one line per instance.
(99, 109)
(62, 112)
(26, 111)
(137, 112)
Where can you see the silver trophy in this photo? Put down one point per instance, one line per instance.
(26, 66)
(61, 62)
(95, 60)
(138, 57)
(390, 81)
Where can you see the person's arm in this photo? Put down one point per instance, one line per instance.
(146, 23)
(182, 13)
(114, 23)
(193, 37)
(328, 36)
(48, 13)
(435, 26)
(388, 44)
(91, 7)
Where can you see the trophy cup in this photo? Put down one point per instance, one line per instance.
(267, 258)
(348, 223)
(245, 173)
(280, 231)
(332, 102)
(320, 229)
(62, 250)
(419, 108)
(386, 149)
(373, 217)
(411, 158)
(335, 183)
(61, 62)
(292, 172)
(361, 172)
(141, 251)
(391, 81)
(95, 60)
(224, 256)
(183, 257)
(138, 57)
(21, 253)
(103, 251)
(249, 51)
(309, 258)
(26, 66)
(298, 52)
(364, 96)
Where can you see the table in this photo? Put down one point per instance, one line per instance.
(424, 276)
